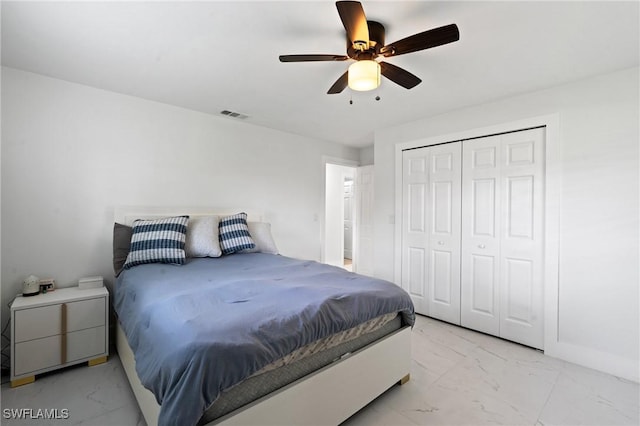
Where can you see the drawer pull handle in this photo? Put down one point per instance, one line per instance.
(63, 333)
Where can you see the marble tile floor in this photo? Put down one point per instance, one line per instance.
(458, 377)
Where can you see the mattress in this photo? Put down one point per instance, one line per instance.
(274, 378)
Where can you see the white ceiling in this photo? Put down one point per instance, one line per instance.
(212, 56)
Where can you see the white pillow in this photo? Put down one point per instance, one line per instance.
(261, 234)
(202, 237)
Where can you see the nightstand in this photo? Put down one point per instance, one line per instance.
(64, 327)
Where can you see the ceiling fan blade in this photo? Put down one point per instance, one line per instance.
(312, 58)
(340, 84)
(355, 22)
(399, 76)
(424, 40)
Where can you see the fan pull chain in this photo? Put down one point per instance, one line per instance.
(377, 98)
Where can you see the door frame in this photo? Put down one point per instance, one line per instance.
(338, 162)
(552, 186)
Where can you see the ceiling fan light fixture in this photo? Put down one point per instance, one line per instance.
(366, 42)
(364, 75)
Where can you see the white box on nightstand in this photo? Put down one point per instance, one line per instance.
(90, 282)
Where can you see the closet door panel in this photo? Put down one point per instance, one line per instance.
(518, 283)
(415, 241)
(522, 241)
(431, 230)
(417, 208)
(480, 280)
(442, 207)
(483, 207)
(444, 231)
(441, 277)
(416, 272)
(519, 207)
(483, 285)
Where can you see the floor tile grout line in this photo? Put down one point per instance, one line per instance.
(555, 383)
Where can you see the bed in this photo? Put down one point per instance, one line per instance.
(291, 341)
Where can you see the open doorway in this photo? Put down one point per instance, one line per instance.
(340, 217)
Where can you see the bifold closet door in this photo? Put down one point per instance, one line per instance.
(431, 229)
(502, 236)
(481, 235)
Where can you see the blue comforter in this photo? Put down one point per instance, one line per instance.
(203, 327)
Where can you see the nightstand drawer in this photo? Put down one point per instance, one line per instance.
(46, 321)
(37, 354)
(86, 343)
(86, 314)
(35, 323)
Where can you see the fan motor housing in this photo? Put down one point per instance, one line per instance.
(376, 41)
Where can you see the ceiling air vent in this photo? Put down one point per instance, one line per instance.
(234, 114)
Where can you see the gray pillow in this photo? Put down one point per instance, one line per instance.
(121, 244)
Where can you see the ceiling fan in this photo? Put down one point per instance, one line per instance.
(365, 44)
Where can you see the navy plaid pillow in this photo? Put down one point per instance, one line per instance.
(234, 234)
(158, 241)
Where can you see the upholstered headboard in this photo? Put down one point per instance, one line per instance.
(126, 215)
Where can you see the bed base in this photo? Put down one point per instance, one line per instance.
(328, 396)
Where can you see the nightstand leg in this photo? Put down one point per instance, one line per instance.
(23, 381)
(405, 379)
(97, 361)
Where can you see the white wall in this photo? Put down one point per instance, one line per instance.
(71, 153)
(598, 312)
(366, 155)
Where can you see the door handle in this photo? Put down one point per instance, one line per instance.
(440, 243)
(481, 246)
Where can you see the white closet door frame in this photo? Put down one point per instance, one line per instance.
(552, 185)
